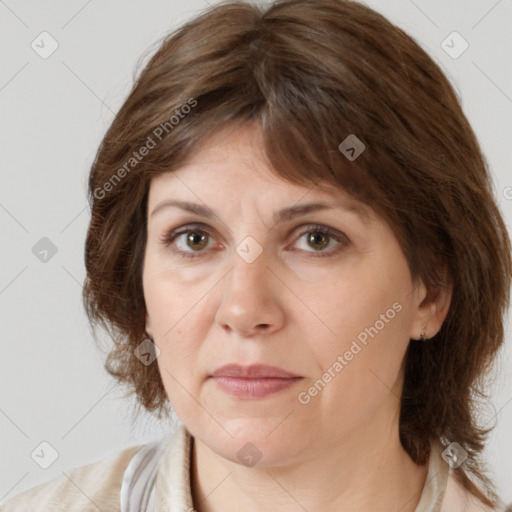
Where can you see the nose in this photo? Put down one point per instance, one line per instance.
(251, 302)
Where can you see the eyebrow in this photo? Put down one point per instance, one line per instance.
(283, 215)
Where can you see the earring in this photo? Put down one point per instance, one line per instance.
(423, 333)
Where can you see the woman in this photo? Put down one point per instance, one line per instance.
(295, 246)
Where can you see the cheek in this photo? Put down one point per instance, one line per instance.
(171, 297)
(177, 334)
(361, 309)
(368, 332)
(176, 324)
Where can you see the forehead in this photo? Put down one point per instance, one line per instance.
(233, 160)
(202, 197)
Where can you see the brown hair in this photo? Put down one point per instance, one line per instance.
(310, 73)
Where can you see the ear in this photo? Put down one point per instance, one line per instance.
(431, 309)
(148, 326)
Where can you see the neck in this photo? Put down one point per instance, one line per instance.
(361, 474)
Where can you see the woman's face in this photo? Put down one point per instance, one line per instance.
(248, 286)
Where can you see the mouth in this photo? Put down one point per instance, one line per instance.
(252, 382)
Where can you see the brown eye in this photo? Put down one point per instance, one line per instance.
(197, 240)
(318, 240)
(189, 243)
(194, 241)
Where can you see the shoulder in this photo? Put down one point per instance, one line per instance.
(94, 486)
(458, 499)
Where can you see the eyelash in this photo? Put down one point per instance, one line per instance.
(171, 235)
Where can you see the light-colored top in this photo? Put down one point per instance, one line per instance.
(156, 477)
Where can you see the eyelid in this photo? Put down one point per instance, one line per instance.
(340, 237)
(169, 235)
(342, 240)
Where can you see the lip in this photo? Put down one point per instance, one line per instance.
(255, 381)
(254, 371)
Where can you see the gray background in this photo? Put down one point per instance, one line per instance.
(54, 112)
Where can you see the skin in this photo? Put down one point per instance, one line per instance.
(287, 308)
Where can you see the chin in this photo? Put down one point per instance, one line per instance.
(255, 443)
